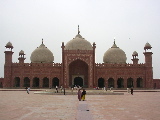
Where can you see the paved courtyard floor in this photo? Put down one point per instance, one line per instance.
(18, 105)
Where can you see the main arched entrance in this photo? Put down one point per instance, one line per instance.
(78, 69)
(78, 81)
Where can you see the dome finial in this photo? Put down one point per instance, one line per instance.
(114, 40)
(78, 29)
(42, 40)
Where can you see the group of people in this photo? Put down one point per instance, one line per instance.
(81, 95)
(61, 88)
(128, 90)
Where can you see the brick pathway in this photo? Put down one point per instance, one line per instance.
(18, 105)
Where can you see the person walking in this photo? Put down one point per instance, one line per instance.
(56, 89)
(128, 90)
(28, 89)
(79, 94)
(132, 90)
(83, 94)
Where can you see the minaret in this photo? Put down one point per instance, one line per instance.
(21, 56)
(148, 55)
(148, 64)
(135, 57)
(8, 65)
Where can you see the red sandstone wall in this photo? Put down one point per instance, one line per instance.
(156, 83)
(38, 70)
(1, 82)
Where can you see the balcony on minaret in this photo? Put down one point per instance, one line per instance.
(21, 56)
(135, 57)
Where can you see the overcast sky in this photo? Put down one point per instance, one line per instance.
(133, 23)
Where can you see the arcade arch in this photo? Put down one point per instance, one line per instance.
(26, 82)
(35, 82)
(111, 82)
(130, 83)
(45, 82)
(100, 82)
(55, 82)
(139, 82)
(120, 83)
(17, 82)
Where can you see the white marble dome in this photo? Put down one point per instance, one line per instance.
(114, 55)
(42, 55)
(78, 43)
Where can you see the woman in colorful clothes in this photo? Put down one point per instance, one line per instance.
(79, 94)
(83, 94)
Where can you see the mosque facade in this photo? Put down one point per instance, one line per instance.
(78, 67)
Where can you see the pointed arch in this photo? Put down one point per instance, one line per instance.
(35, 82)
(17, 82)
(78, 68)
(26, 82)
(45, 82)
(78, 81)
(130, 82)
(111, 82)
(120, 83)
(101, 82)
(139, 82)
(55, 82)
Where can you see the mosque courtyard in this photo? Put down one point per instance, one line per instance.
(18, 105)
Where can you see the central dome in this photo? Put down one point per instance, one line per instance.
(42, 55)
(114, 55)
(78, 43)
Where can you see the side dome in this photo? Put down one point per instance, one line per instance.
(78, 43)
(42, 55)
(114, 55)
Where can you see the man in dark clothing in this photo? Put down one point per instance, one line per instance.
(132, 90)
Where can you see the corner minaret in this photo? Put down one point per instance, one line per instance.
(148, 55)
(8, 65)
(21, 56)
(135, 57)
(8, 54)
(148, 66)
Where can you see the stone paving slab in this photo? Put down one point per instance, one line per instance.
(18, 105)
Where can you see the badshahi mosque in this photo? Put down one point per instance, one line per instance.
(78, 67)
